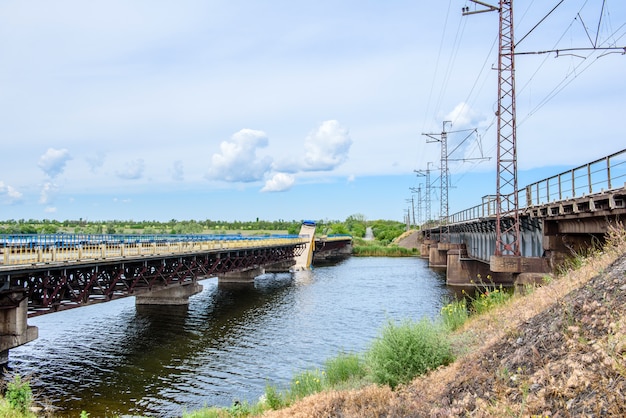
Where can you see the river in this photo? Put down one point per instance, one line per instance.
(118, 359)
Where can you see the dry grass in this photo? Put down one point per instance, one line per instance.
(561, 351)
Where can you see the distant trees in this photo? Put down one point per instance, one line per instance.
(384, 230)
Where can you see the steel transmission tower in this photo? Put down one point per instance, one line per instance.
(427, 193)
(507, 218)
(444, 208)
(419, 203)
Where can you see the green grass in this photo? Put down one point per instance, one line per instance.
(379, 250)
(407, 350)
(344, 368)
(454, 314)
(488, 299)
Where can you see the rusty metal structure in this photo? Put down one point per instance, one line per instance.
(52, 286)
(507, 216)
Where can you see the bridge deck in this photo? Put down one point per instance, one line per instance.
(32, 250)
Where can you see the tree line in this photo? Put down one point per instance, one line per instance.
(355, 225)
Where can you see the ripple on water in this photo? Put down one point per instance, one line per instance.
(115, 358)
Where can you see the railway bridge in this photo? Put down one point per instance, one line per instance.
(558, 217)
(41, 274)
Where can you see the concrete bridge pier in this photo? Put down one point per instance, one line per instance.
(280, 267)
(171, 295)
(241, 276)
(438, 254)
(465, 271)
(14, 329)
(425, 248)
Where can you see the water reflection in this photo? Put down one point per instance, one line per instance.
(116, 358)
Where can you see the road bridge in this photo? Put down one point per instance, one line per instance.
(41, 274)
(558, 216)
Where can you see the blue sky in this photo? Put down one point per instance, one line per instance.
(236, 110)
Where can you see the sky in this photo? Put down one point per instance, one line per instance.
(290, 110)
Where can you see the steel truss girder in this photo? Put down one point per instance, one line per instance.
(51, 289)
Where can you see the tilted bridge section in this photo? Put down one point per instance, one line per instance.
(41, 274)
(559, 216)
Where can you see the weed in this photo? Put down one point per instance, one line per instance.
(455, 314)
(18, 394)
(305, 383)
(407, 350)
(343, 368)
(273, 398)
(489, 299)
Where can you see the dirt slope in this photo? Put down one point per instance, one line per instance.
(559, 352)
(408, 240)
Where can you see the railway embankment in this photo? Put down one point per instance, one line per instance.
(558, 351)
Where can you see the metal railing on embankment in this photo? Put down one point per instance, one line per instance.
(31, 249)
(605, 174)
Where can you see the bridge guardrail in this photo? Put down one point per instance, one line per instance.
(603, 174)
(47, 248)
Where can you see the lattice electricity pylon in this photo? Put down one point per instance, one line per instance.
(442, 138)
(426, 173)
(418, 190)
(507, 205)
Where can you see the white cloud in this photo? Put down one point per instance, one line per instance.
(238, 161)
(53, 161)
(327, 147)
(133, 170)
(279, 182)
(178, 173)
(96, 162)
(50, 209)
(463, 116)
(48, 192)
(12, 195)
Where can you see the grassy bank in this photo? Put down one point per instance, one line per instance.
(559, 350)
(378, 250)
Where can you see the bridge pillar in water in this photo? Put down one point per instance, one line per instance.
(240, 276)
(14, 329)
(464, 271)
(280, 267)
(425, 248)
(171, 295)
(303, 261)
(438, 254)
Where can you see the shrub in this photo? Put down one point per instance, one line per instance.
(343, 368)
(18, 394)
(489, 299)
(273, 398)
(305, 383)
(454, 314)
(407, 350)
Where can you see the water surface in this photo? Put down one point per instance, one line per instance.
(116, 358)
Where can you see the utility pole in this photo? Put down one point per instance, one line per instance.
(412, 208)
(442, 138)
(419, 204)
(507, 228)
(426, 173)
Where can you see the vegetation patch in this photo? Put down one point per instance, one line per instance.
(407, 350)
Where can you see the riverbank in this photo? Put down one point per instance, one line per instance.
(559, 351)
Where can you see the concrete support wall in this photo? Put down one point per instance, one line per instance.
(303, 262)
(437, 258)
(425, 248)
(241, 276)
(463, 271)
(14, 329)
(173, 295)
(280, 267)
